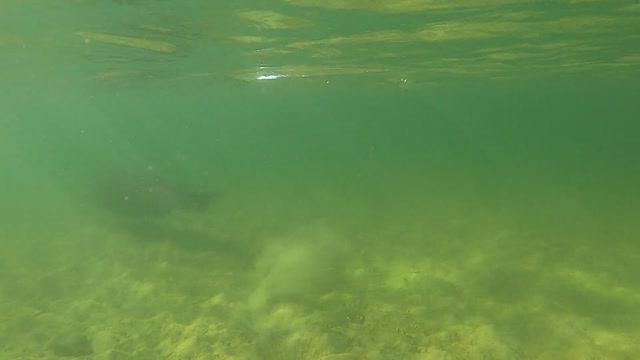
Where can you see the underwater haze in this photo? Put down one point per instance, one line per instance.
(305, 179)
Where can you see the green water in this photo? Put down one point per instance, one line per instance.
(398, 180)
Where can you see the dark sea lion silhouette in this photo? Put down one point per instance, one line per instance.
(146, 194)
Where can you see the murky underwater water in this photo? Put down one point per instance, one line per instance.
(319, 180)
